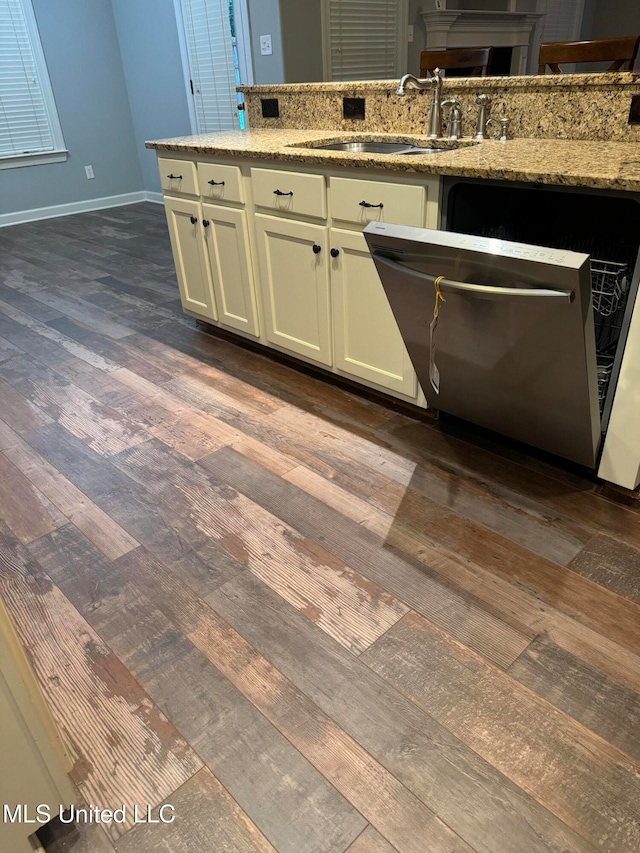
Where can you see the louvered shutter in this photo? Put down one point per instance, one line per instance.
(28, 123)
(562, 20)
(210, 54)
(364, 38)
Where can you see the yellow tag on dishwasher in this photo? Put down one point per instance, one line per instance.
(434, 373)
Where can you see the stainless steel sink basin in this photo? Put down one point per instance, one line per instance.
(377, 148)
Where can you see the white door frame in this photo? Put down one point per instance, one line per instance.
(243, 36)
(245, 60)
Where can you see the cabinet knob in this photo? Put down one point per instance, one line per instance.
(205, 222)
(175, 177)
(216, 183)
(316, 249)
(367, 204)
(193, 219)
(334, 253)
(279, 192)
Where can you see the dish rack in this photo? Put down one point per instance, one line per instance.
(605, 367)
(609, 289)
(609, 286)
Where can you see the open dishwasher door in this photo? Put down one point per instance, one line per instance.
(514, 344)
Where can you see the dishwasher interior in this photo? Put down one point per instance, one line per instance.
(604, 226)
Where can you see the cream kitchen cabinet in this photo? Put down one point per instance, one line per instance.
(184, 218)
(367, 342)
(294, 280)
(227, 248)
(277, 254)
(211, 245)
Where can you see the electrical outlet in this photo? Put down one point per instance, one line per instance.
(410, 33)
(265, 46)
(89, 171)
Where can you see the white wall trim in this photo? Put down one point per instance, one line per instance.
(243, 40)
(21, 216)
(40, 159)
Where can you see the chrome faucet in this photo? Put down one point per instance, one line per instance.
(483, 102)
(435, 110)
(454, 122)
(411, 81)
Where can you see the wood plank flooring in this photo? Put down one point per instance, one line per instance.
(309, 623)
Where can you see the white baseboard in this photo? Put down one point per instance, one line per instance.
(37, 213)
(156, 198)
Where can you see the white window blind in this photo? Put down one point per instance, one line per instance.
(209, 46)
(562, 20)
(364, 38)
(28, 120)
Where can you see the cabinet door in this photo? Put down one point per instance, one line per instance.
(367, 342)
(295, 286)
(192, 269)
(227, 244)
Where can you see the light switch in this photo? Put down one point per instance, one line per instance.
(265, 46)
(410, 33)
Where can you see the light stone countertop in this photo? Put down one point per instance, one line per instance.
(602, 165)
(529, 81)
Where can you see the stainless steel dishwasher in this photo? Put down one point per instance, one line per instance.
(514, 345)
(540, 329)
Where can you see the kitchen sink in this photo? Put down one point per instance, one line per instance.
(376, 148)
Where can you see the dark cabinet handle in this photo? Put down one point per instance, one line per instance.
(279, 192)
(316, 249)
(216, 183)
(334, 253)
(366, 204)
(205, 222)
(193, 220)
(175, 177)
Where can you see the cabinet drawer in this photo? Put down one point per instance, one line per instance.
(220, 183)
(178, 176)
(302, 194)
(401, 204)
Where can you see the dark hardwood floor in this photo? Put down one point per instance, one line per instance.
(309, 623)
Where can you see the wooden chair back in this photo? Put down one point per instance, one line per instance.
(477, 60)
(621, 52)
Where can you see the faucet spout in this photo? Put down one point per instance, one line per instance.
(435, 110)
(411, 81)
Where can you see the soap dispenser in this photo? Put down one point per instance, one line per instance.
(454, 120)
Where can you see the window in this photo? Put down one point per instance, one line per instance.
(29, 128)
(562, 20)
(211, 56)
(364, 39)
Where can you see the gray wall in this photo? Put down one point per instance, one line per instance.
(81, 49)
(148, 36)
(608, 19)
(419, 42)
(264, 16)
(301, 26)
(613, 18)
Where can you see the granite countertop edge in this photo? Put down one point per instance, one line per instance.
(536, 81)
(591, 164)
